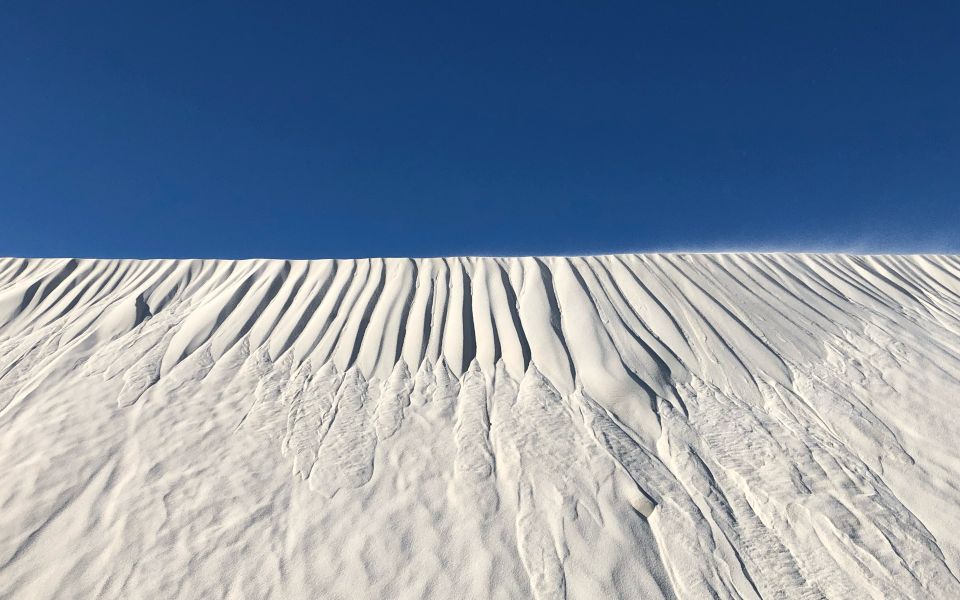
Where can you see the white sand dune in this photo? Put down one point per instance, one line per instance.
(629, 426)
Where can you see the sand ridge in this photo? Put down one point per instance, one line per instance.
(654, 425)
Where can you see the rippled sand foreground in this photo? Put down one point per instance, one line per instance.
(625, 426)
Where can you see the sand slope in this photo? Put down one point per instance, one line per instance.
(656, 426)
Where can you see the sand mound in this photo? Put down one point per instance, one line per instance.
(628, 426)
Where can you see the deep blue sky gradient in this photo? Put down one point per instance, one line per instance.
(353, 129)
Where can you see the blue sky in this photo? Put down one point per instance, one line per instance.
(355, 129)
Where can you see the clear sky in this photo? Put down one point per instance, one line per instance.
(353, 129)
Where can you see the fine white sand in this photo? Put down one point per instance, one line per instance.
(630, 426)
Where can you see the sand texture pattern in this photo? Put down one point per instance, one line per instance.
(622, 426)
